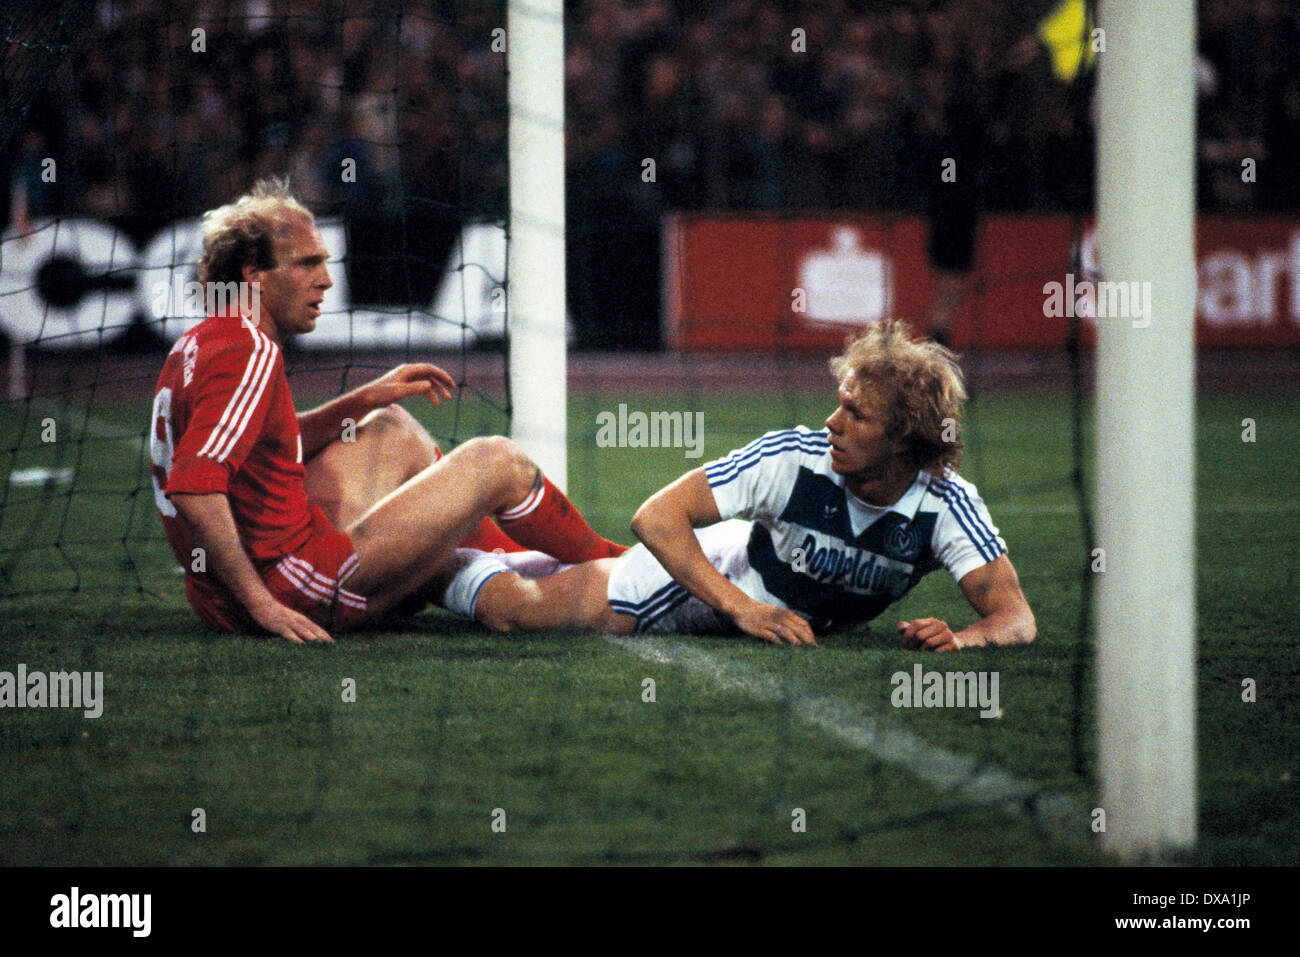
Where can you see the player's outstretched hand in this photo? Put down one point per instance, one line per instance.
(931, 634)
(412, 378)
(289, 624)
(777, 625)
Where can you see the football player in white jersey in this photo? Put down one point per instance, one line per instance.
(797, 534)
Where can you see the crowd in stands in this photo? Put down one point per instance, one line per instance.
(395, 112)
(748, 104)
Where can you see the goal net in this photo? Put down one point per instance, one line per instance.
(125, 121)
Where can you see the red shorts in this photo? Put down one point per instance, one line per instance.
(310, 581)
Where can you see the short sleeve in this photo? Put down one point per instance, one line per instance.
(755, 482)
(965, 537)
(227, 406)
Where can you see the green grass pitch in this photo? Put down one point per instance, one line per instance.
(454, 729)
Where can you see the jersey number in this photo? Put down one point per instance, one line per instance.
(160, 449)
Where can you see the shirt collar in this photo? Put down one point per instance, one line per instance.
(909, 503)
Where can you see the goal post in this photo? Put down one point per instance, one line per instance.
(537, 368)
(1145, 599)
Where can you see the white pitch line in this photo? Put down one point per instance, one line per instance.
(1060, 815)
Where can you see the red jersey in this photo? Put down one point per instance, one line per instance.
(223, 421)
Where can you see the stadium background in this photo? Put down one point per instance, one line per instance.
(145, 132)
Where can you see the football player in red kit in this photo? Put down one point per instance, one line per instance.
(298, 523)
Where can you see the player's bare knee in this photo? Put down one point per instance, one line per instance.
(405, 425)
(506, 463)
(404, 437)
(523, 472)
(496, 620)
(499, 601)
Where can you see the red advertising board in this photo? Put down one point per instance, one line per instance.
(754, 281)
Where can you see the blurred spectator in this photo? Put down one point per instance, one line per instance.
(742, 103)
(170, 107)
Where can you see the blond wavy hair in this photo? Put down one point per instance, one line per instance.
(242, 232)
(921, 386)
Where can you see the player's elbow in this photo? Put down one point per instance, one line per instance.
(642, 523)
(651, 524)
(657, 517)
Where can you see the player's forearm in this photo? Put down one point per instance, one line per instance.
(666, 525)
(1014, 627)
(212, 526)
(701, 579)
(674, 545)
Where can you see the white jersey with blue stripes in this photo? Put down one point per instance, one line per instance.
(817, 549)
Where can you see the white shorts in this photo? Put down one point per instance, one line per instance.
(639, 586)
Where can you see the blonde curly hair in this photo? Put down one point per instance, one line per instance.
(242, 232)
(920, 384)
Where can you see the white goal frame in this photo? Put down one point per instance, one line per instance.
(1146, 420)
(536, 290)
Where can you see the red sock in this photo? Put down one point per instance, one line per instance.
(489, 538)
(548, 522)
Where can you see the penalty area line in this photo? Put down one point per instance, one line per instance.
(1061, 816)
